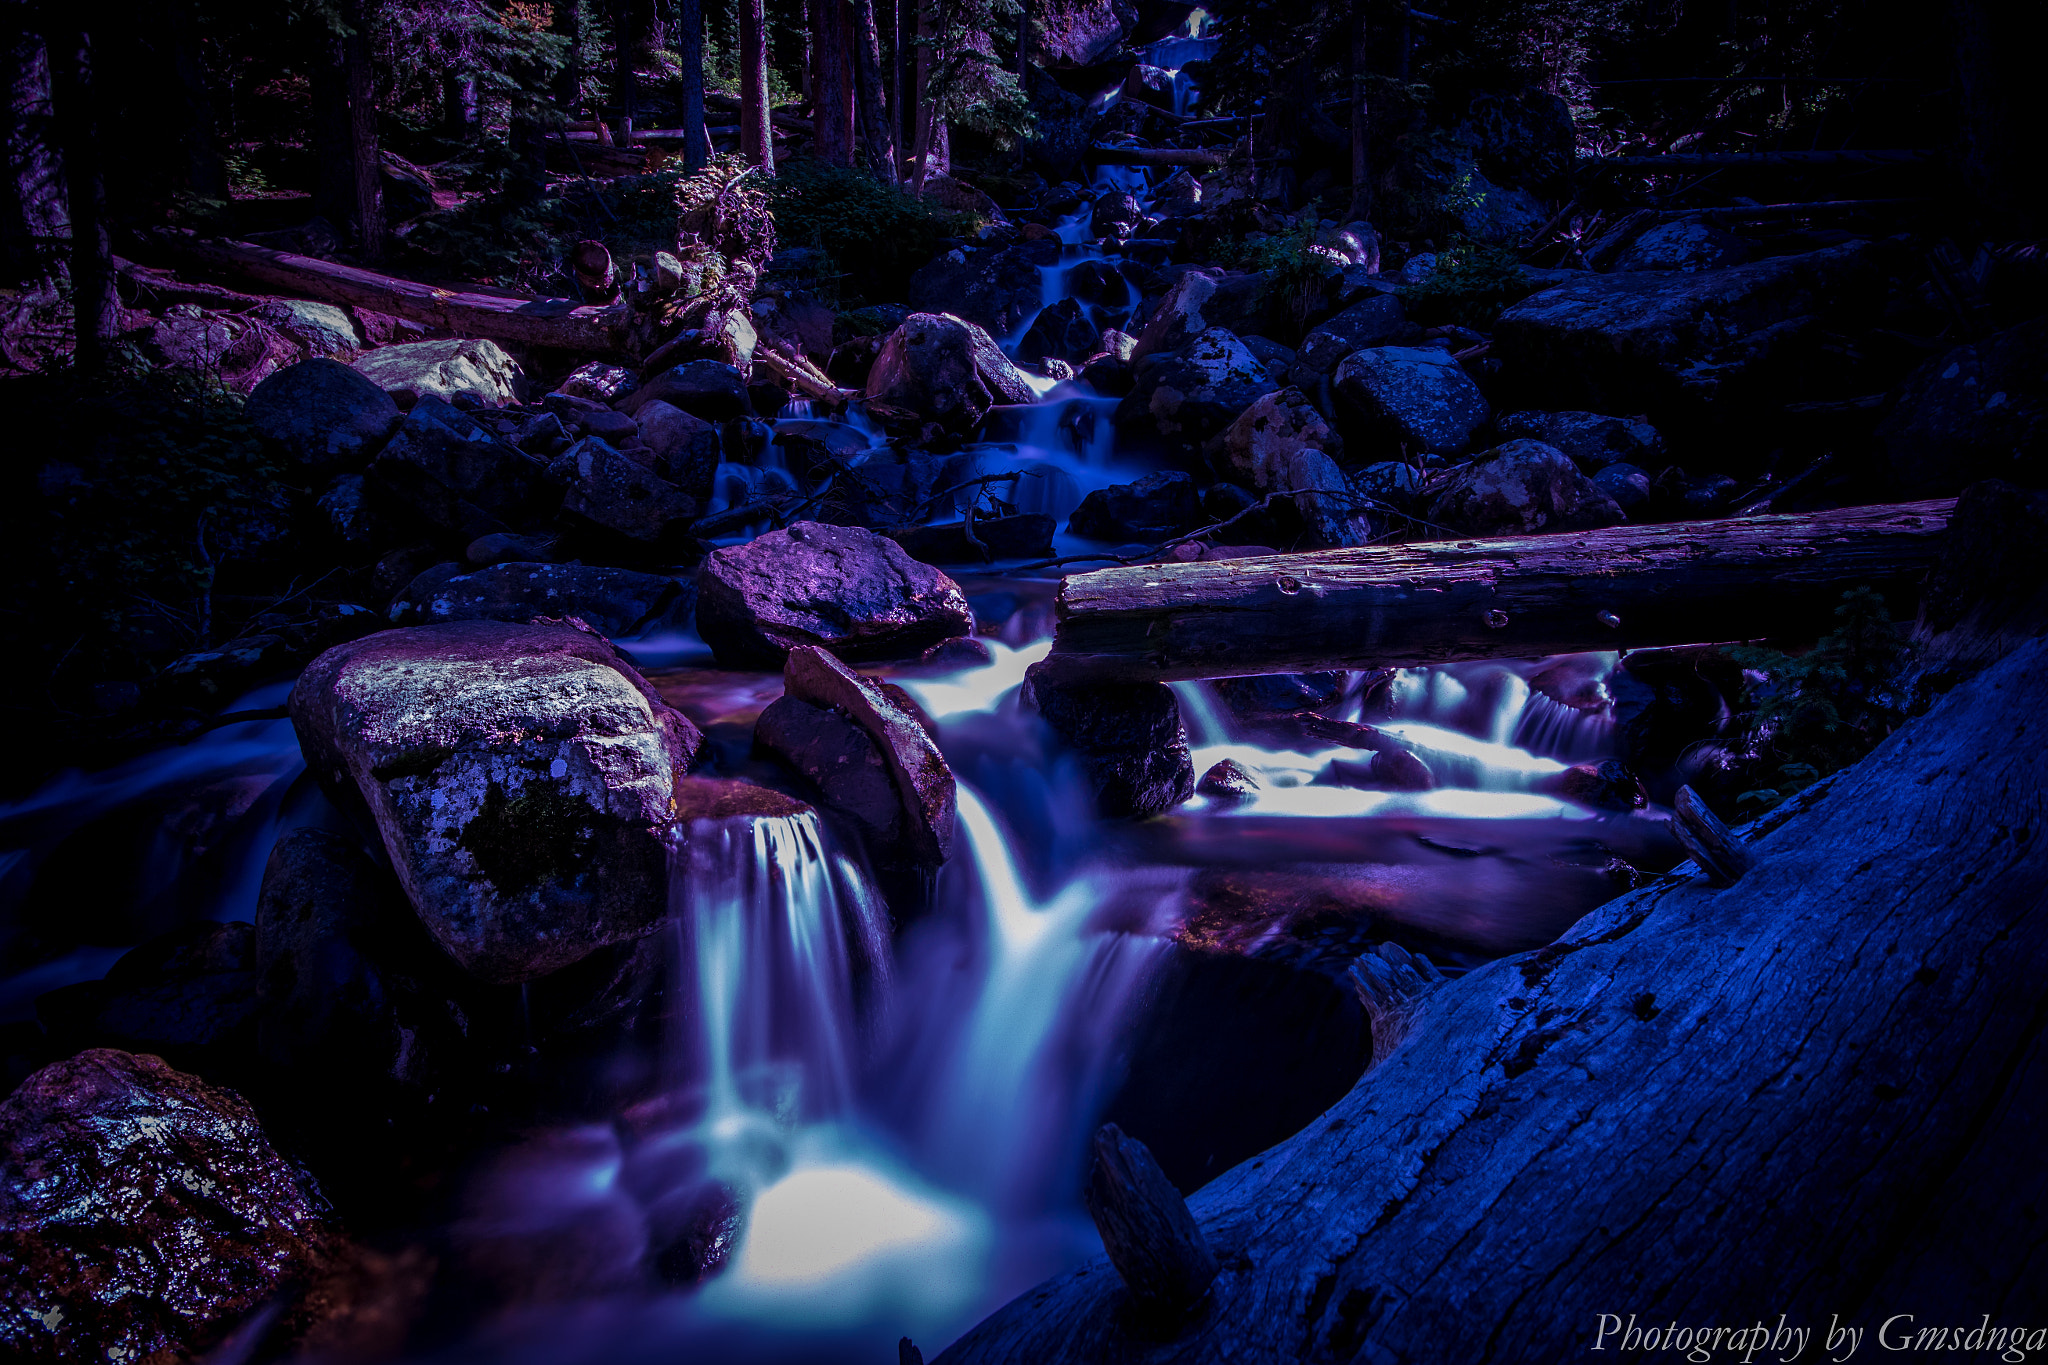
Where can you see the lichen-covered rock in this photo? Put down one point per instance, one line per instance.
(706, 389)
(1130, 741)
(327, 416)
(1160, 504)
(239, 351)
(1521, 488)
(1418, 399)
(622, 503)
(1198, 302)
(1377, 320)
(852, 591)
(1188, 396)
(143, 1214)
(522, 779)
(859, 742)
(1978, 412)
(443, 469)
(467, 367)
(321, 328)
(1282, 445)
(946, 369)
(1684, 247)
(1592, 439)
(997, 291)
(615, 602)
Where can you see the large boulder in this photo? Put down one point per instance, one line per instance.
(998, 291)
(1977, 412)
(326, 416)
(1592, 439)
(1160, 504)
(1184, 398)
(860, 743)
(1198, 302)
(616, 602)
(1521, 488)
(1130, 741)
(1672, 343)
(625, 506)
(472, 368)
(1376, 320)
(321, 328)
(947, 369)
(849, 590)
(1684, 247)
(143, 1214)
(445, 470)
(1417, 399)
(686, 448)
(521, 777)
(706, 389)
(1282, 445)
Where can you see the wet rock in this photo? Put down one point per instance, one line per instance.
(1977, 412)
(1061, 331)
(1606, 785)
(545, 1222)
(962, 651)
(599, 382)
(814, 448)
(1179, 195)
(726, 798)
(1196, 304)
(1408, 398)
(1627, 484)
(445, 470)
(321, 328)
(1593, 440)
(1668, 343)
(1282, 445)
(324, 414)
(1158, 505)
(188, 995)
(619, 503)
(1378, 320)
(616, 429)
(1108, 375)
(1521, 488)
(1269, 695)
(706, 389)
(521, 778)
(469, 368)
(1116, 213)
(859, 742)
(1684, 247)
(1189, 396)
(997, 291)
(945, 369)
(856, 593)
(143, 1214)
(1026, 535)
(1130, 741)
(615, 602)
(1229, 780)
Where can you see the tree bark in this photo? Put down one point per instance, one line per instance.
(690, 53)
(1817, 1093)
(205, 173)
(904, 133)
(1361, 121)
(1998, 85)
(349, 191)
(625, 81)
(878, 146)
(1627, 586)
(96, 313)
(757, 141)
(1210, 157)
(35, 224)
(831, 84)
(459, 107)
(362, 122)
(1682, 161)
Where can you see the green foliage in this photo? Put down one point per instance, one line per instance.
(1820, 711)
(1470, 287)
(876, 235)
(1296, 277)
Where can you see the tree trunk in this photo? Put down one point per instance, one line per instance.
(1210, 157)
(1997, 84)
(1743, 578)
(568, 90)
(625, 81)
(757, 139)
(878, 147)
(204, 171)
(92, 253)
(362, 121)
(1805, 161)
(831, 71)
(690, 53)
(904, 133)
(458, 107)
(349, 191)
(35, 222)
(1361, 122)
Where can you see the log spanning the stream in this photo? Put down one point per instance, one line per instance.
(1521, 597)
(1210, 157)
(532, 322)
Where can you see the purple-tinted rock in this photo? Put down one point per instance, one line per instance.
(1522, 488)
(945, 369)
(615, 602)
(1130, 740)
(325, 415)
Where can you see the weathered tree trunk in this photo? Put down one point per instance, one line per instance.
(349, 191)
(205, 173)
(1997, 79)
(878, 146)
(1683, 161)
(33, 221)
(535, 322)
(459, 106)
(625, 80)
(1521, 597)
(690, 87)
(832, 83)
(1361, 121)
(92, 253)
(904, 133)
(364, 156)
(757, 140)
(1159, 156)
(1817, 1093)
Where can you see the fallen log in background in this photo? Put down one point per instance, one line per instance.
(1520, 597)
(1688, 161)
(1816, 1093)
(562, 323)
(1158, 156)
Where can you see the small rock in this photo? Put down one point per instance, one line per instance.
(321, 328)
(485, 551)
(1027, 535)
(1378, 320)
(1627, 484)
(614, 499)
(324, 414)
(599, 382)
(466, 367)
(1521, 488)
(1607, 785)
(706, 389)
(686, 448)
(1229, 780)
(542, 434)
(1188, 396)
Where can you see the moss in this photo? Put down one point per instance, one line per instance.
(875, 234)
(542, 834)
(1470, 287)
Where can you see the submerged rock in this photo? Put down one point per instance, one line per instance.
(615, 602)
(855, 593)
(470, 368)
(325, 415)
(522, 779)
(143, 1214)
(1521, 488)
(1416, 399)
(946, 369)
(1130, 740)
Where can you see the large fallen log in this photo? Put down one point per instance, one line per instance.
(1818, 1093)
(1522, 597)
(562, 323)
(1690, 161)
(1159, 156)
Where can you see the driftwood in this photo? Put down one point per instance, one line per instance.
(1772, 213)
(1688, 161)
(1521, 597)
(1818, 1093)
(531, 322)
(1712, 844)
(1146, 1228)
(1159, 156)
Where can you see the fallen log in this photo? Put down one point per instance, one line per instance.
(1772, 213)
(1817, 1093)
(1687, 161)
(561, 323)
(1159, 156)
(1520, 597)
